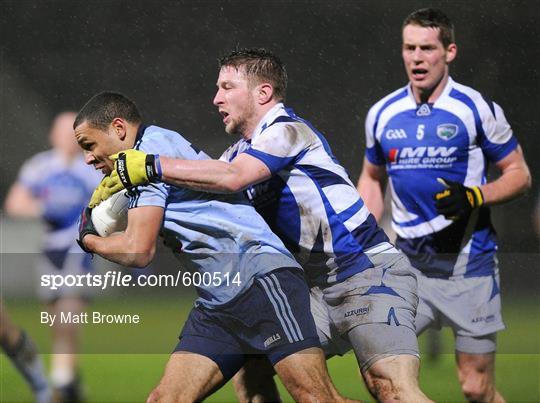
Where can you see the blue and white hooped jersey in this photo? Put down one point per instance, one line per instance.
(454, 138)
(219, 236)
(64, 189)
(310, 202)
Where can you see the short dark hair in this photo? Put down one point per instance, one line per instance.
(435, 18)
(259, 64)
(102, 108)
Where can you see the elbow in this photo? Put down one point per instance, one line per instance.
(141, 260)
(232, 185)
(528, 182)
(141, 257)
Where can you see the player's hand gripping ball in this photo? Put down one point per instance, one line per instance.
(86, 227)
(457, 200)
(110, 216)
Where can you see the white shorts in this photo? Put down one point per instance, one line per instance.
(470, 306)
(383, 298)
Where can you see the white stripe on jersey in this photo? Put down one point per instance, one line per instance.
(310, 223)
(399, 106)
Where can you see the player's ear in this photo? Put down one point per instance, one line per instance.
(119, 126)
(451, 52)
(265, 91)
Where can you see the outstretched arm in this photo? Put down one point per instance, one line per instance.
(213, 175)
(371, 186)
(134, 168)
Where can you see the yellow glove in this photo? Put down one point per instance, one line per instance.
(136, 168)
(108, 186)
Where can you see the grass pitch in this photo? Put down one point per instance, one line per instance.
(123, 363)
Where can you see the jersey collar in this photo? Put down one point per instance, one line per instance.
(444, 93)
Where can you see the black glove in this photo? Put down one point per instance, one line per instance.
(86, 226)
(457, 201)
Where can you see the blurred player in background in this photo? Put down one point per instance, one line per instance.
(22, 351)
(256, 301)
(434, 138)
(363, 290)
(55, 185)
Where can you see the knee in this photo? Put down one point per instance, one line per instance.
(395, 378)
(477, 388)
(383, 389)
(155, 396)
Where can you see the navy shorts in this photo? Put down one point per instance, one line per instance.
(271, 318)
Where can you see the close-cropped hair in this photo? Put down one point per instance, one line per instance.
(102, 108)
(434, 18)
(259, 65)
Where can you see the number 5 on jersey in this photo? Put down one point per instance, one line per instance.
(420, 132)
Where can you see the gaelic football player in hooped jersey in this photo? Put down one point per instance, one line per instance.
(432, 138)
(363, 292)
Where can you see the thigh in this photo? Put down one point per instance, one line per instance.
(305, 376)
(375, 341)
(187, 377)
(204, 334)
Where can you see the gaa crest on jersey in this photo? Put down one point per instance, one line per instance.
(447, 131)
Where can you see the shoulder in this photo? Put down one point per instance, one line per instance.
(284, 132)
(387, 100)
(41, 161)
(473, 99)
(157, 140)
(42, 157)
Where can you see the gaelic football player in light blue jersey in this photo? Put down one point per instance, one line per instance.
(434, 139)
(363, 291)
(257, 301)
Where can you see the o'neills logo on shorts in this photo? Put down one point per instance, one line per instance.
(272, 339)
(357, 312)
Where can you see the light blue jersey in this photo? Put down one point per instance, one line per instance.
(64, 189)
(210, 233)
(454, 138)
(310, 202)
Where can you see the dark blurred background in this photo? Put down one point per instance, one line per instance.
(341, 57)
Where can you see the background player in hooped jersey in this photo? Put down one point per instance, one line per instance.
(363, 290)
(256, 302)
(434, 138)
(55, 185)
